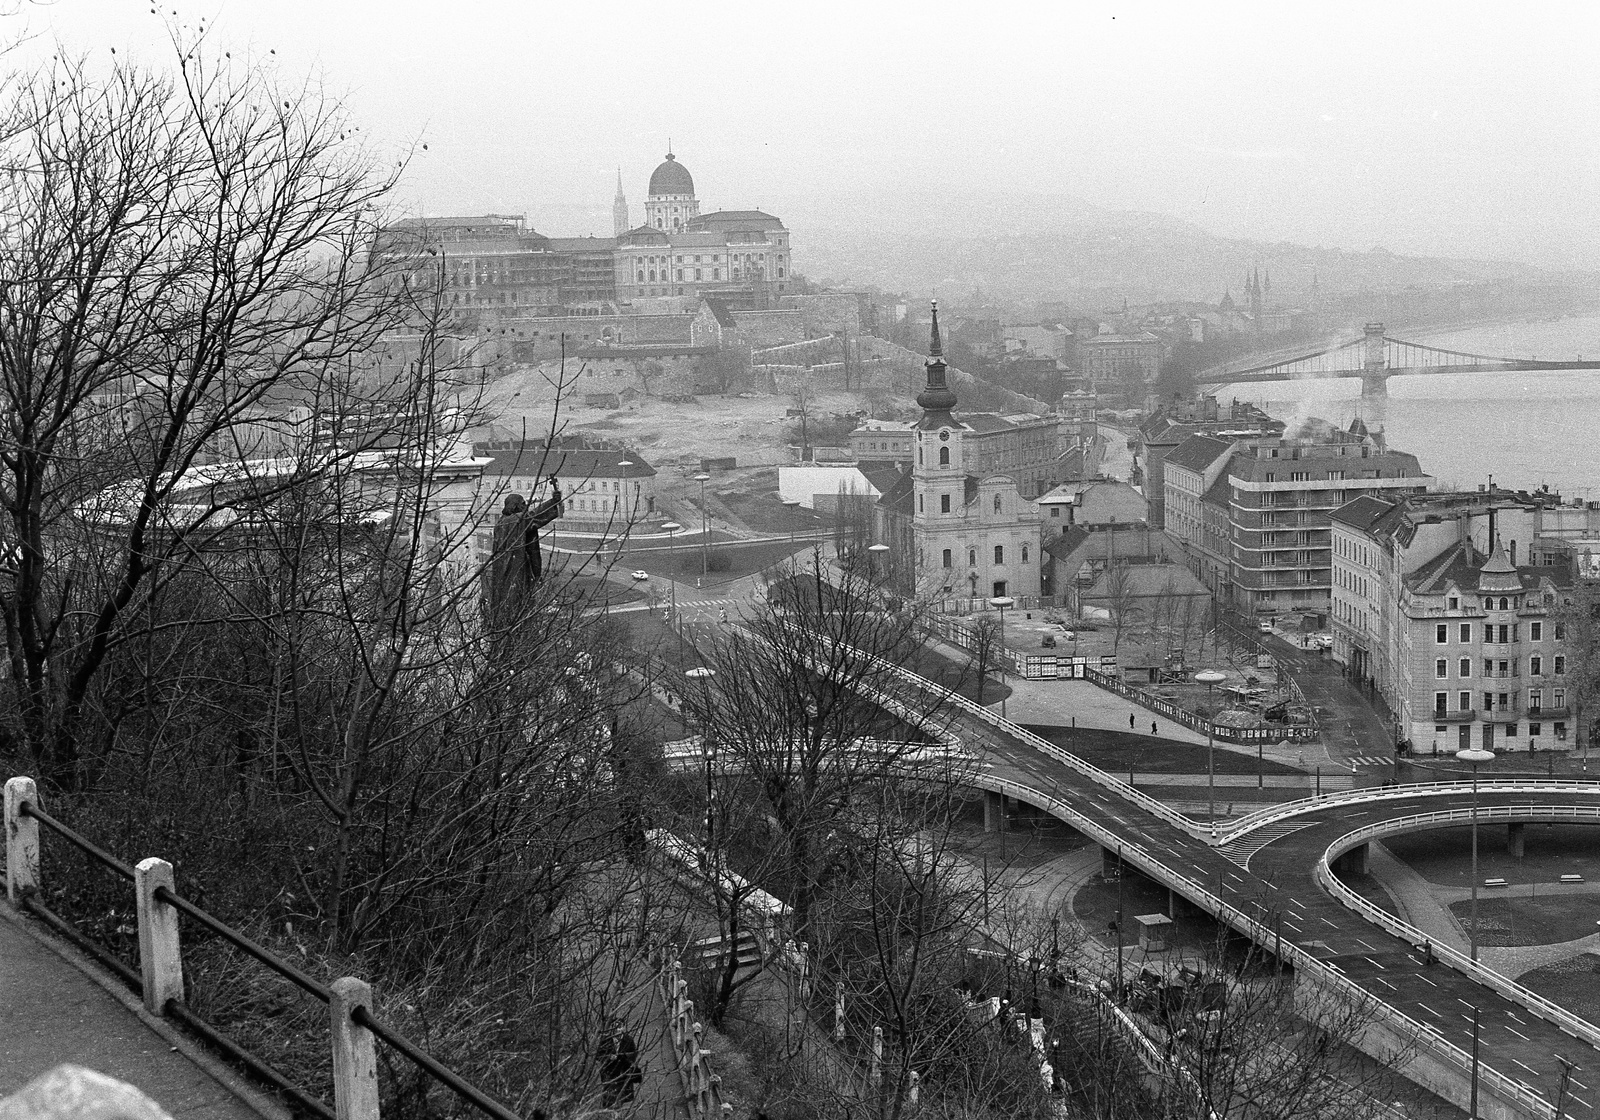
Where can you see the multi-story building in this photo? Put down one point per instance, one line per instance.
(1242, 424)
(1024, 446)
(1281, 502)
(882, 441)
(1196, 507)
(1122, 367)
(601, 486)
(1092, 503)
(953, 531)
(1432, 610)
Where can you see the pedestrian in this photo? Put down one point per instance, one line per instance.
(1152, 727)
(619, 1066)
(1130, 721)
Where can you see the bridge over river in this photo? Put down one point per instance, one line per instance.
(1374, 358)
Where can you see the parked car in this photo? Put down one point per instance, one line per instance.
(1264, 627)
(1325, 641)
(640, 574)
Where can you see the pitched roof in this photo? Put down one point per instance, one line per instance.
(1365, 512)
(985, 422)
(900, 498)
(579, 244)
(883, 475)
(1197, 453)
(719, 310)
(1217, 493)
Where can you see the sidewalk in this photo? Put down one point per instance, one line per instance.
(52, 1012)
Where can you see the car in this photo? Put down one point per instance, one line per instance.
(1325, 641)
(640, 574)
(1264, 627)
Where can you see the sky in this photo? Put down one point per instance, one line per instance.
(1450, 129)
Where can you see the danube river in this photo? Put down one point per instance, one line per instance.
(1526, 429)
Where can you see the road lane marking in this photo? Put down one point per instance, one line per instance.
(1462, 1002)
(1386, 983)
(1429, 1010)
(1374, 963)
(1513, 1015)
(1364, 945)
(1325, 922)
(1526, 1066)
(1422, 977)
(1520, 1035)
(1580, 1100)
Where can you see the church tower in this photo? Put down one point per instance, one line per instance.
(671, 201)
(938, 474)
(619, 210)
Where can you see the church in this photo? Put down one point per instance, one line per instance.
(741, 256)
(953, 534)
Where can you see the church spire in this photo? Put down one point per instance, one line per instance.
(619, 210)
(936, 399)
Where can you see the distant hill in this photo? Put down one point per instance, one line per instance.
(1033, 248)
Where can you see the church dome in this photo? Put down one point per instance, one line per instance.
(671, 177)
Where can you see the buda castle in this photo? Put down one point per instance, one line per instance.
(494, 265)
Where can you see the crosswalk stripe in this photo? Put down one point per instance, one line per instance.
(1240, 851)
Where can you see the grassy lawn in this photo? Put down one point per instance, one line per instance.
(1117, 750)
(1574, 984)
(1531, 921)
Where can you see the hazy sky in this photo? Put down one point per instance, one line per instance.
(1464, 129)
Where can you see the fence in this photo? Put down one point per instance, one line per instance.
(702, 1088)
(1224, 734)
(353, 1029)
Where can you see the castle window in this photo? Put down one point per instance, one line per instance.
(999, 554)
(944, 456)
(947, 558)
(972, 558)
(1024, 554)
(944, 503)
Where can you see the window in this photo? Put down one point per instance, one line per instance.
(999, 554)
(1441, 634)
(678, 272)
(1535, 699)
(1024, 554)
(1535, 666)
(1505, 634)
(919, 504)
(1055, 511)
(1504, 605)
(1533, 729)
(997, 503)
(944, 456)
(1561, 665)
(1270, 476)
(1441, 668)
(944, 503)
(1466, 631)
(1464, 701)
(1488, 667)
(1441, 702)
(972, 558)
(1488, 701)
(1455, 603)
(1535, 631)
(1558, 697)
(1561, 630)
(1465, 667)
(946, 558)
(1488, 604)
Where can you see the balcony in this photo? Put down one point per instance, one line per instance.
(1548, 713)
(1502, 715)
(1500, 674)
(1460, 715)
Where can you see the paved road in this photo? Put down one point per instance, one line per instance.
(1277, 883)
(51, 1013)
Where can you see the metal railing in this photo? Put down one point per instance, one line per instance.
(1553, 1013)
(159, 979)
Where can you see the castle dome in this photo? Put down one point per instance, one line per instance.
(671, 177)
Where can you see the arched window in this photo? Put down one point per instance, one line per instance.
(999, 554)
(972, 558)
(944, 456)
(997, 503)
(1504, 602)
(1024, 554)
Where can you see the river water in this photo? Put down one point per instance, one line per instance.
(1526, 429)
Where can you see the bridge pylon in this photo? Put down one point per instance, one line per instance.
(1374, 377)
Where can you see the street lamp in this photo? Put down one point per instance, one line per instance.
(876, 557)
(672, 589)
(705, 524)
(1475, 755)
(703, 674)
(1210, 678)
(1000, 603)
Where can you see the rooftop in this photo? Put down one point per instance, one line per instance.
(1197, 453)
(531, 457)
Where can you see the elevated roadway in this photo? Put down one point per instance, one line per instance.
(1267, 876)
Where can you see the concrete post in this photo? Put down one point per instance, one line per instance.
(994, 811)
(877, 1055)
(1514, 838)
(355, 1054)
(838, 1011)
(160, 958)
(22, 840)
(1357, 861)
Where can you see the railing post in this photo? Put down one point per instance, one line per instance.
(355, 1054)
(838, 1011)
(160, 959)
(22, 840)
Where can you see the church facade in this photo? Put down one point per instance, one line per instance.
(954, 534)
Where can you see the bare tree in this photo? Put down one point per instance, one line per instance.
(1122, 601)
(985, 638)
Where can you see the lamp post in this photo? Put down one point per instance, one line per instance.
(1475, 755)
(1000, 603)
(875, 559)
(1210, 678)
(703, 675)
(705, 524)
(672, 589)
